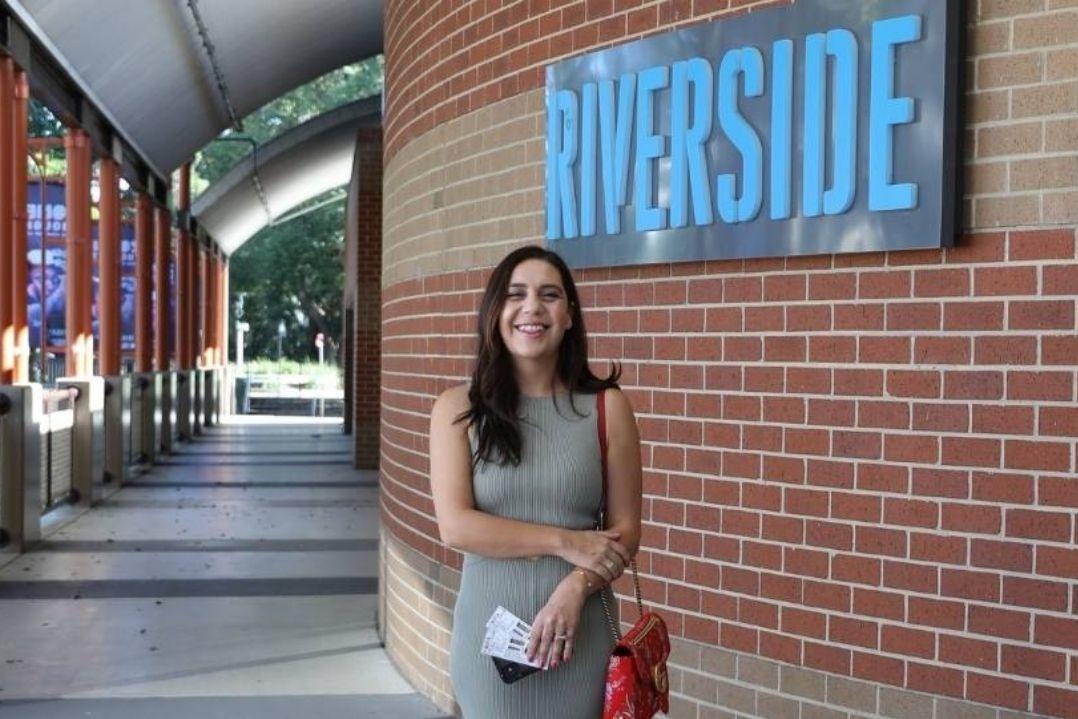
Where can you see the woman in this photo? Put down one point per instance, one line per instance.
(517, 482)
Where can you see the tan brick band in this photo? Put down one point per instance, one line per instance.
(706, 682)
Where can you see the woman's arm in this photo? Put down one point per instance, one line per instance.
(465, 528)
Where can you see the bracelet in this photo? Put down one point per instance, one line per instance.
(587, 580)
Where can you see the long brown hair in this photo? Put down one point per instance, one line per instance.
(494, 394)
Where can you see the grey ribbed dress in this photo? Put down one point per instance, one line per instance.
(558, 482)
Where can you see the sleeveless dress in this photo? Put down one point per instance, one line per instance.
(558, 482)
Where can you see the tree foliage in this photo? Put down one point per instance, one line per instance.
(292, 272)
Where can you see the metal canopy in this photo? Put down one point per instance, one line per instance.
(146, 66)
(292, 168)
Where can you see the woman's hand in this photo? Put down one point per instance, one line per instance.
(555, 625)
(598, 552)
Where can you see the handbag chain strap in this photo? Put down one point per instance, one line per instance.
(600, 404)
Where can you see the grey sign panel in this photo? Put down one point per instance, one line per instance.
(925, 145)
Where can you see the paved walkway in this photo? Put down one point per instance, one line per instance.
(236, 579)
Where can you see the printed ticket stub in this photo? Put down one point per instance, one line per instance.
(507, 637)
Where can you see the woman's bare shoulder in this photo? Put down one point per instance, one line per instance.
(451, 403)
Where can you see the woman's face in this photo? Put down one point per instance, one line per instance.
(536, 313)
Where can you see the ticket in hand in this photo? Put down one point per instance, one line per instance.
(507, 637)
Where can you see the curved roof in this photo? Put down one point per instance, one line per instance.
(145, 63)
(292, 168)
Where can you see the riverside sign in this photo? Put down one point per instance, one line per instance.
(826, 126)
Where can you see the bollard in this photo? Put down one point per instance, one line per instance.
(20, 466)
(168, 411)
(117, 428)
(146, 413)
(199, 395)
(88, 438)
(209, 388)
(185, 404)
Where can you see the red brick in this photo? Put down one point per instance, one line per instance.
(1052, 701)
(738, 638)
(764, 379)
(1031, 524)
(1049, 386)
(859, 382)
(913, 316)
(1057, 491)
(1059, 350)
(997, 691)
(971, 452)
(969, 652)
(723, 319)
(934, 679)
(875, 668)
(806, 441)
(913, 383)
(785, 349)
(1002, 623)
(1041, 245)
(910, 512)
(942, 350)
(780, 587)
(1011, 556)
(1005, 350)
(962, 584)
(779, 647)
(883, 477)
(831, 535)
(790, 470)
(808, 318)
(826, 595)
(1036, 593)
(1041, 315)
(827, 658)
(940, 549)
(1056, 631)
(866, 317)
(986, 316)
(883, 414)
(876, 540)
(1009, 488)
(940, 417)
(856, 507)
(1057, 562)
(790, 410)
(832, 286)
(979, 519)
(911, 448)
(1050, 456)
(911, 642)
(882, 350)
(858, 632)
(1028, 662)
(834, 350)
(743, 289)
(911, 577)
(764, 319)
(973, 385)
(979, 247)
(805, 562)
(885, 285)
(808, 380)
(937, 613)
(785, 288)
(828, 473)
(1001, 419)
(856, 569)
(989, 281)
(1058, 421)
(953, 484)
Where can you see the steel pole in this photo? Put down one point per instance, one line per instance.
(143, 283)
(7, 249)
(18, 255)
(108, 291)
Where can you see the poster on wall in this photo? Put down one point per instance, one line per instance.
(46, 259)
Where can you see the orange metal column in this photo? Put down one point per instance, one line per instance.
(183, 273)
(78, 316)
(162, 291)
(211, 308)
(143, 283)
(222, 315)
(18, 255)
(7, 250)
(108, 290)
(203, 339)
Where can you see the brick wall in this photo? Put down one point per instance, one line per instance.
(860, 467)
(366, 352)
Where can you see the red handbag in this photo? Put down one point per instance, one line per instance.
(637, 684)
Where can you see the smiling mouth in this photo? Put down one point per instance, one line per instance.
(531, 330)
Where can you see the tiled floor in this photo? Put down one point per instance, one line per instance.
(236, 579)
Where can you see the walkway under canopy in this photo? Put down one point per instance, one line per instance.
(237, 578)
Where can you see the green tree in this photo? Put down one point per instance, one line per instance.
(291, 271)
